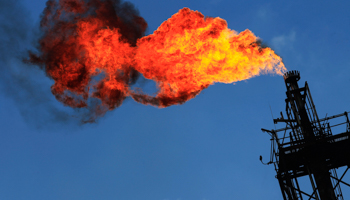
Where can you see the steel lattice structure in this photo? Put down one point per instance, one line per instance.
(307, 146)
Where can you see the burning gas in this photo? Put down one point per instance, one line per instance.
(95, 50)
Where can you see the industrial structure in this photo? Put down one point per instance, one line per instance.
(308, 147)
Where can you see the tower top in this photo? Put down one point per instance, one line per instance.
(291, 76)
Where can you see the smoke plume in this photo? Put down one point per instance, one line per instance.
(24, 84)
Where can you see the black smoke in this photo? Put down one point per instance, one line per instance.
(25, 84)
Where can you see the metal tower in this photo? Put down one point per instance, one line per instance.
(308, 147)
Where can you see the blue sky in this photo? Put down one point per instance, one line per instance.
(205, 149)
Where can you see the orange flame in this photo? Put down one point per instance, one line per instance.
(97, 54)
(189, 52)
(88, 49)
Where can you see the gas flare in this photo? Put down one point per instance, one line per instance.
(96, 49)
(189, 52)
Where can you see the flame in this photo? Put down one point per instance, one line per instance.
(189, 52)
(95, 50)
(87, 48)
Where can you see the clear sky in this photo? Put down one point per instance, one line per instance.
(205, 149)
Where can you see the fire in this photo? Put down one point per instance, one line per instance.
(88, 49)
(189, 52)
(96, 50)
